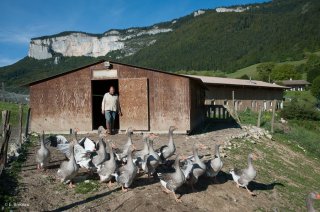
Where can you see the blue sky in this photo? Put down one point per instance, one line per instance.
(21, 20)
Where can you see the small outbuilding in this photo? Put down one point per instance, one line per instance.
(241, 94)
(295, 85)
(151, 100)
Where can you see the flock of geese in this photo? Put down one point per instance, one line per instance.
(123, 164)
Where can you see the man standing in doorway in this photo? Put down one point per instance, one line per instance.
(110, 107)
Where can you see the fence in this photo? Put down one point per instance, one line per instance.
(217, 112)
(6, 130)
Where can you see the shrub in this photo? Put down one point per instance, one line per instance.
(302, 110)
(315, 88)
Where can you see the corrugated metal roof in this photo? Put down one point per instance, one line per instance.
(295, 82)
(236, 82)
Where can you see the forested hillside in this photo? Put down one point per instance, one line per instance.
(277, 31)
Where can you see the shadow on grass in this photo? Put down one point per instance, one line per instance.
(253, 185)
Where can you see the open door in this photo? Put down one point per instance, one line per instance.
(134, 103)
(99, 88)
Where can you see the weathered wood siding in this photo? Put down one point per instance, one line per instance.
(61, 103)
(197, 110)
(65, 101)
(245, 97)
(169, 99)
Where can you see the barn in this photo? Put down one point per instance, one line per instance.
(241, 94)
(151, 100)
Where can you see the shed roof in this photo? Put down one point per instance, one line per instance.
(295, 82)
(101, 61)
(236, 82)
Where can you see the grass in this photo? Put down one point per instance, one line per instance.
(10, 175)
(250, 118)
(250, 71)
(294, 174)
(87, 187)
(302, 133)
(14, 112)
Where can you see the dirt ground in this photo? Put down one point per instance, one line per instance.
(40, 191)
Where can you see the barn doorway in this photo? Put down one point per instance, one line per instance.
(99, 88)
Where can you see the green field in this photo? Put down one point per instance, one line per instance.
(14, 112)
(250, 71)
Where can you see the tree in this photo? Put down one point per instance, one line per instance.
(312, 67)
(285, 72)
(315, 88)
(264, 71)
(300, 110)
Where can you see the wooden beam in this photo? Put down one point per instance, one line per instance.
(259, 117)
(27, 122)
(273, 115)
(20, 123)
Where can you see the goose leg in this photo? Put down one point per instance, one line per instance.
(71, 185)
(250, 192)
(166, 190)
(124, 189)
(110, 184)
(38, 166)
(176, 198)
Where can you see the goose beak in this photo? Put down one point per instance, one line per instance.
(318, 196)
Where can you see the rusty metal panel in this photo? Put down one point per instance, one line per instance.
(134, 103)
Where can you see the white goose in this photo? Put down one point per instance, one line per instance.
(108, 167)
(172, 181)
(43, 154)
(126, 174)
(152, 160)
(122, 155)
(167, 151)
(243, 177)
(214, 165)
(68, 169)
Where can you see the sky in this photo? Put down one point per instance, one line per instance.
(21, 20)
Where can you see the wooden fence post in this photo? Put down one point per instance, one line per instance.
(6, 140)
(4, 147)
(259, 117)
(273, 114)
(27, 122)
(5, 121)
(20, 123)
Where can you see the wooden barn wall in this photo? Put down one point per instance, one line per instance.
(62, 103)
(168, 97)
(245, 97)
(197, 112)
